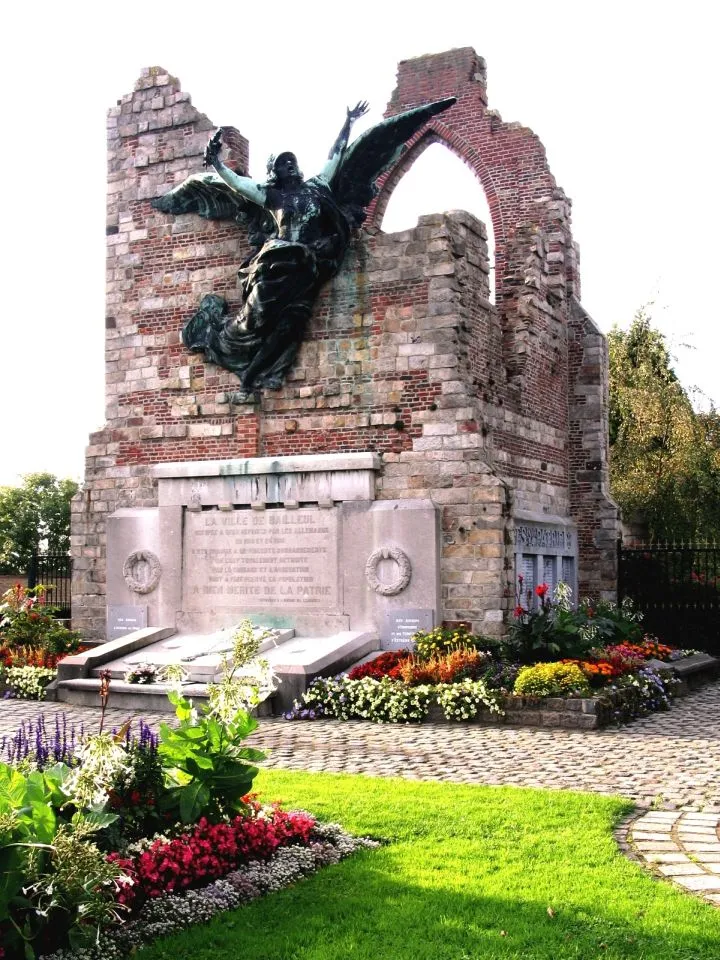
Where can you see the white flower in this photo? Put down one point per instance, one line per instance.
(102, 760)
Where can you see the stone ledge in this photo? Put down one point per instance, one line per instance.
(80, 665)
(326, 462)
(135, 697)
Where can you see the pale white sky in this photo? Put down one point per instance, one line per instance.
(623, 96)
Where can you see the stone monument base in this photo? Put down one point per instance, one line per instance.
(295, 660)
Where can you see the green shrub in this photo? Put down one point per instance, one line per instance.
(26, 622)
(547, 627)
(53, 879)
(551, 680)
(206, 767)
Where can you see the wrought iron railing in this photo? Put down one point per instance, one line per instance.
(677, 587)
(54, 572)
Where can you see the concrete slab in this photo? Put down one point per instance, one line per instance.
(301, 659)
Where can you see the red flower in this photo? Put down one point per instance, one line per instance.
(520, 611)
(381, 666)
(209, 851)
(541, 589)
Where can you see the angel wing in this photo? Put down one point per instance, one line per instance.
(374, 152)
(210, 197)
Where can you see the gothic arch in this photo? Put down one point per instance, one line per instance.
(438, 133)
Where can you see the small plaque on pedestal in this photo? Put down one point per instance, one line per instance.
(400, 625)
(123, 619)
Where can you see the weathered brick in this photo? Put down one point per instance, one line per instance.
(484, 409)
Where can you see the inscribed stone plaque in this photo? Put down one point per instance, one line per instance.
(400, 625)
(547, 540)
(261, 560)
(123, 619)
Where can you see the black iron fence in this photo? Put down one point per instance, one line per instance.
(677, 587)
(54, 572)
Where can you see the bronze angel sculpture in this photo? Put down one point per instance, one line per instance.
(299, 230)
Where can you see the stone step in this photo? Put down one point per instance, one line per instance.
(300, 660)
(693, 671)
(200, 655)
(135, 697)
(295, 660)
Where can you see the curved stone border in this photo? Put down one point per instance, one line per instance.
(142, 556)
(400, 582)
(678, 845)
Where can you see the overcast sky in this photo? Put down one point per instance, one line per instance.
(623, 96)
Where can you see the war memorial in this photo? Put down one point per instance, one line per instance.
(336, 432)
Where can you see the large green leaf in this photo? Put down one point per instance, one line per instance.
(13, 789)
(44, 821)
(55, 778)
(191, 733)
(238, 780)
(37, 789)
(197, 764)
(250, 753)
(194, 798)
(242, 725)
(95, 819)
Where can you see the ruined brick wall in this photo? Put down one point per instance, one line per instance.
(474, 406)
(550, 440)
(161, 402)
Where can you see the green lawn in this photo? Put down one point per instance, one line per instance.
(469, 872)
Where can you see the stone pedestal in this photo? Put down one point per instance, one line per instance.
(294, 542)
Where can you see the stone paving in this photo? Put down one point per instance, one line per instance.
(667, 761)
(683, 846)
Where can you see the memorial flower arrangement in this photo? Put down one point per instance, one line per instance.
(555, 650)
(143, 673)
(112, 838)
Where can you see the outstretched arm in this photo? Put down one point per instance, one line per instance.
(246, 187)
(338, 148)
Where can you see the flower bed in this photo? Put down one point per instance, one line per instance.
(32, 643)
(560, 666)
(109, 840)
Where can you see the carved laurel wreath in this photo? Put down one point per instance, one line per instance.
(403, 576)
(142, 571)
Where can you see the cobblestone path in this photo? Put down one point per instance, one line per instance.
(668, 758)
(670, 761)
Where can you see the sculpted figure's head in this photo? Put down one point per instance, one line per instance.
(283, 167)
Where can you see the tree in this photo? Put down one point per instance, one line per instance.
(34, 516)
(664, 457)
